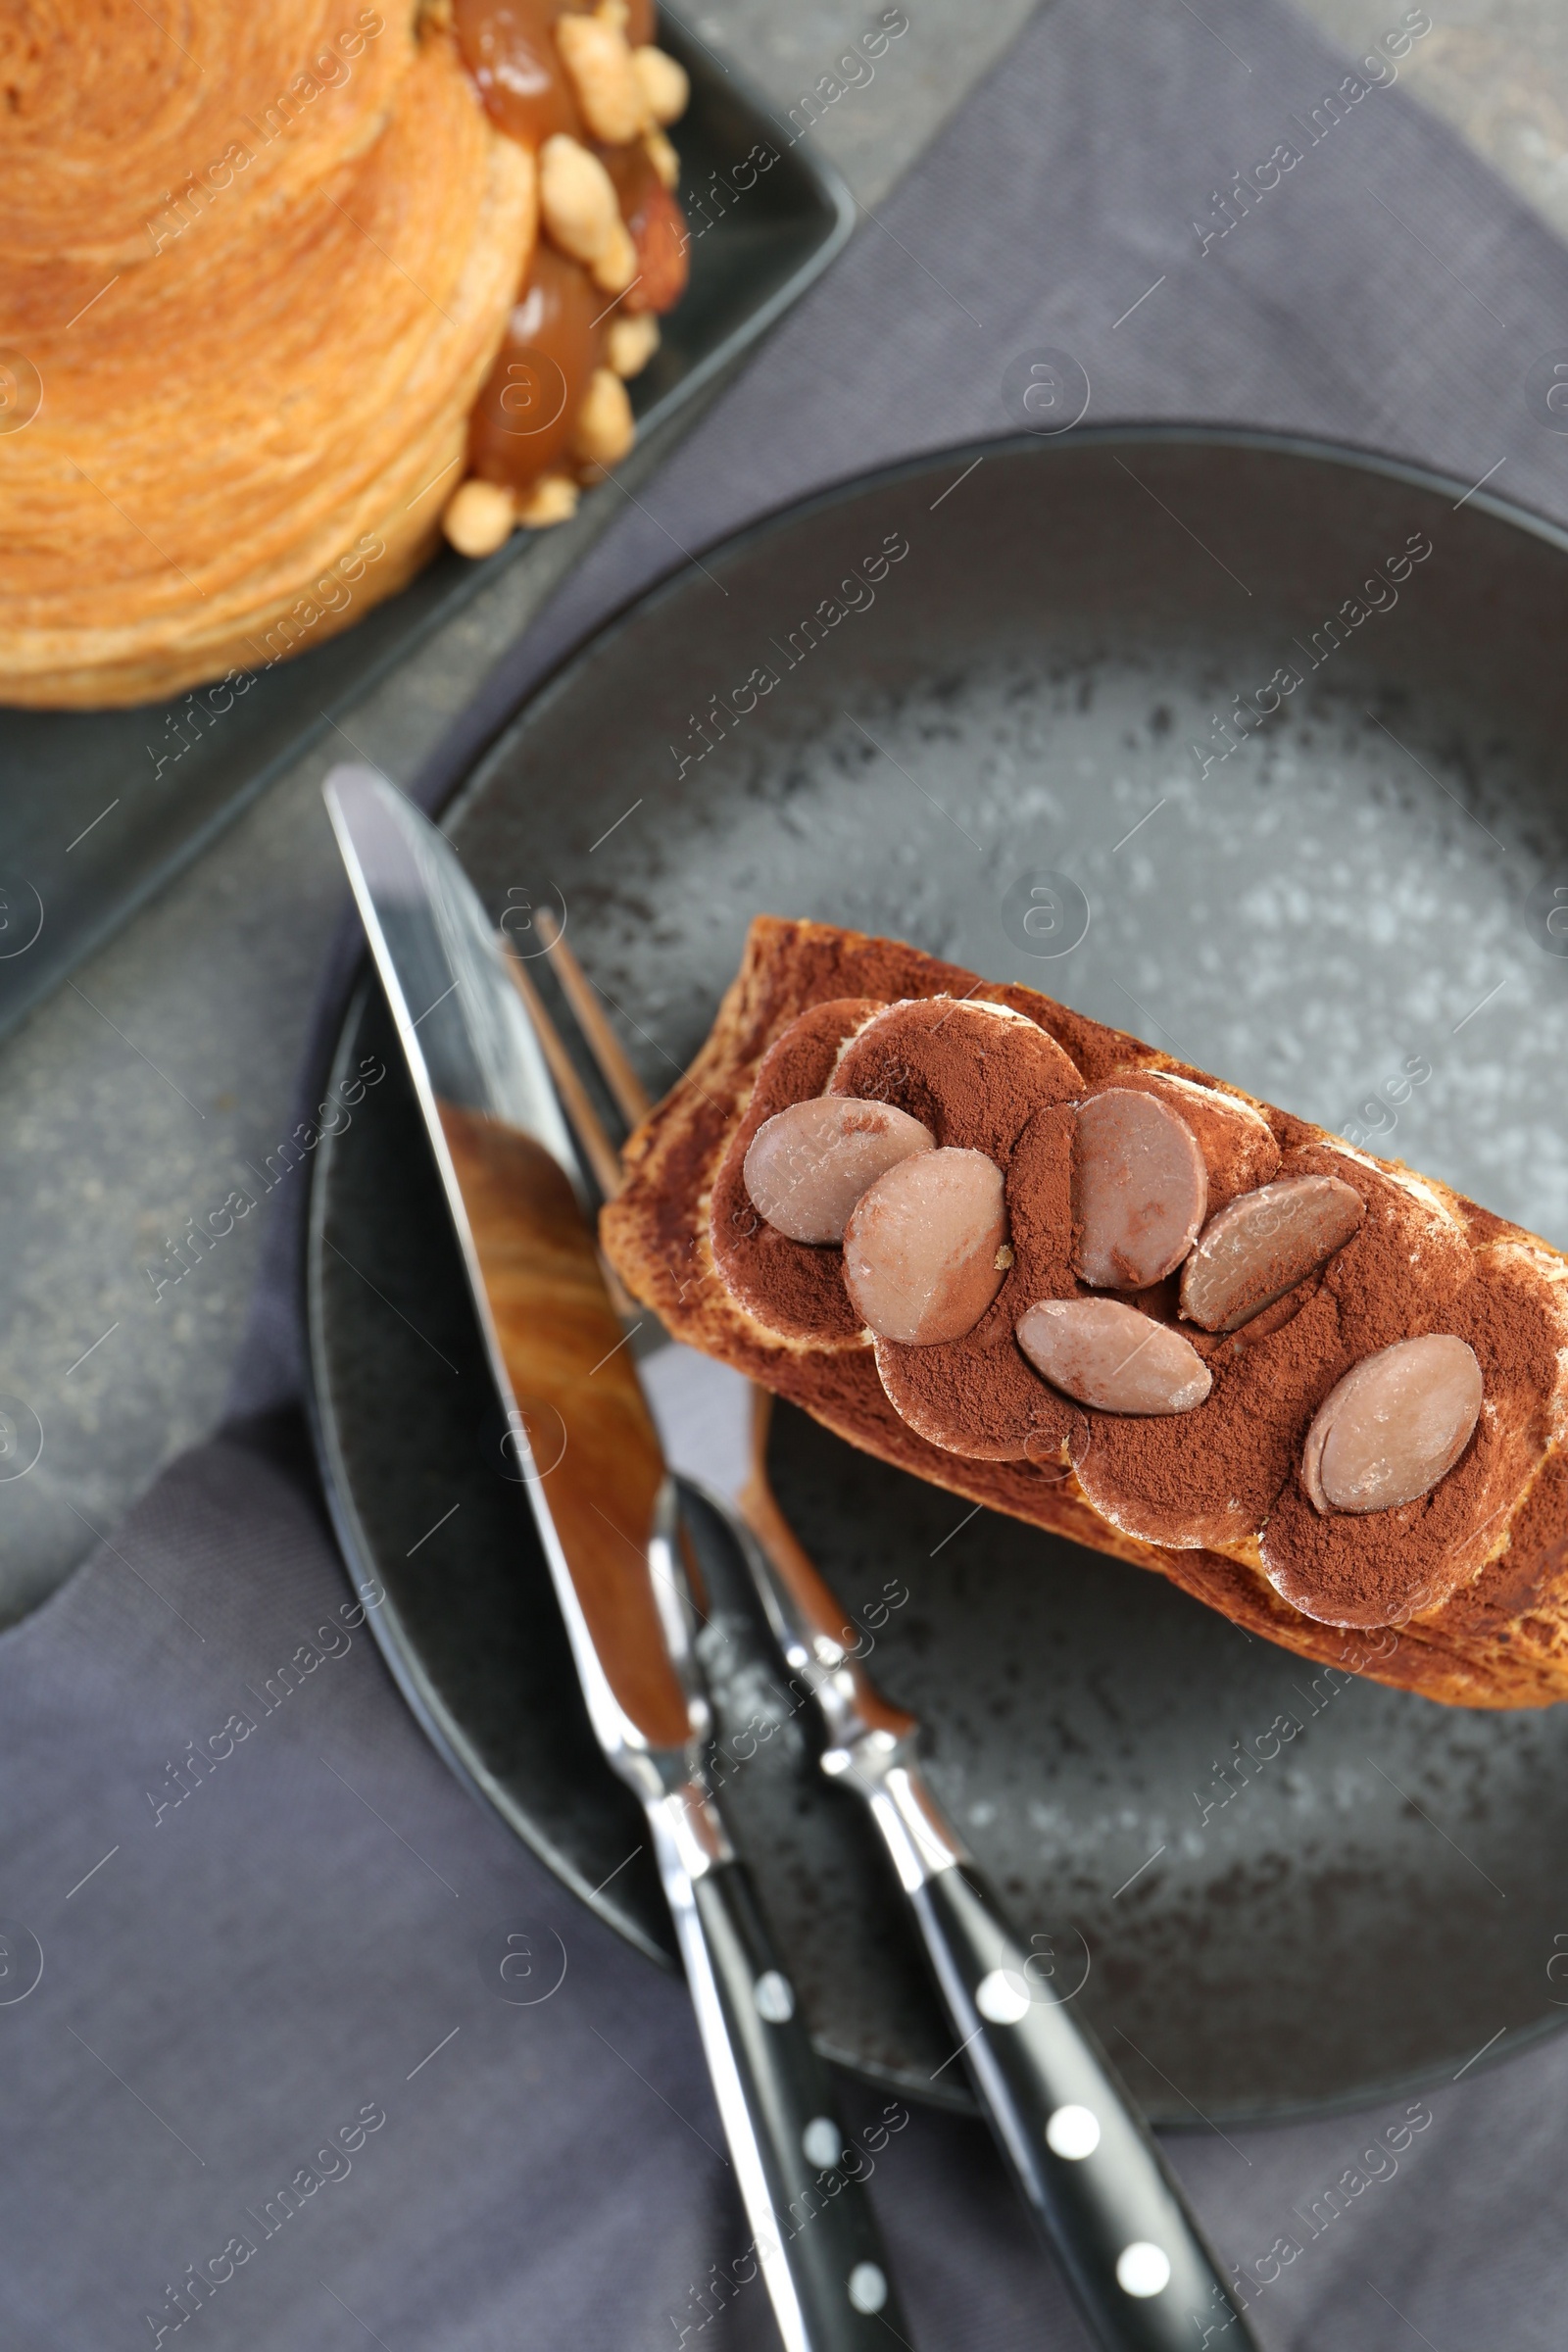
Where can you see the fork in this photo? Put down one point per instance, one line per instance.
(1092, 2175)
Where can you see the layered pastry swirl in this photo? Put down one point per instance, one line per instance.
(286, 289)
(1047, 1266)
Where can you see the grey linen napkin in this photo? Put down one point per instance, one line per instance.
(262, 2093)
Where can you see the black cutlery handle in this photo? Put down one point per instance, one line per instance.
(814, 2238)
(1087, 2165)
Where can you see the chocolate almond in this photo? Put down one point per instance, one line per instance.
(808, 1165)
(1395, 1425)
(1112, 1358)
(1237, 1141)
(921, 1246)
(1262, 1245)
(1140, 1190)
(792, 1287)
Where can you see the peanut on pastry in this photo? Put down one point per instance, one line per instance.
(661, 155)
(664, 83)
(480, 517)
(631, 343)
(615, 264)
(577, 201)
(552, 499)
(605, 430)
(608, 88)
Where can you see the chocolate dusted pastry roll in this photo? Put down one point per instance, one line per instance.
(1321, 1394)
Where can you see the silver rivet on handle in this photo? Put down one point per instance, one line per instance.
(774, 1996)
(868, 2287)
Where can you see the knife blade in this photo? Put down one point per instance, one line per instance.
(605, 1513)
(1093, 2176)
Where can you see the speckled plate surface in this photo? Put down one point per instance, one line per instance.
(1343, 902)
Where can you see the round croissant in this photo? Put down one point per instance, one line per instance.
(259, 264)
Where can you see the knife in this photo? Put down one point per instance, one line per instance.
(607, 1518)
(1090, 2171)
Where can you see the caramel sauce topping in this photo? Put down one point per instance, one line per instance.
(523, 420)
(509, 46)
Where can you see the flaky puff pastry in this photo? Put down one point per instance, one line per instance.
(257, 262)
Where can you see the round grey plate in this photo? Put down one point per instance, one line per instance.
(1288, 1892)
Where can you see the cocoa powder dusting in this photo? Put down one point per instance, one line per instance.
(1214, 1476)
(1230, 1468)
(1387, 1566)
(1534, 1569)
(1198, 1478)
(793, 1287)
(974, 1077)
(978, 1396)
(844, 1393)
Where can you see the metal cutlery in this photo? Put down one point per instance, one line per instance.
(606, 1512)
(1090, 2171)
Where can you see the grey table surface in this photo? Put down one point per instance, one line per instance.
(134, 1100)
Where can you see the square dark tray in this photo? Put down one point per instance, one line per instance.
(92, 824)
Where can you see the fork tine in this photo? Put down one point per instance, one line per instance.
(629, 1095)
(597, 1147)
(581, 1117)
(758, 1504)
(760, 1509)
